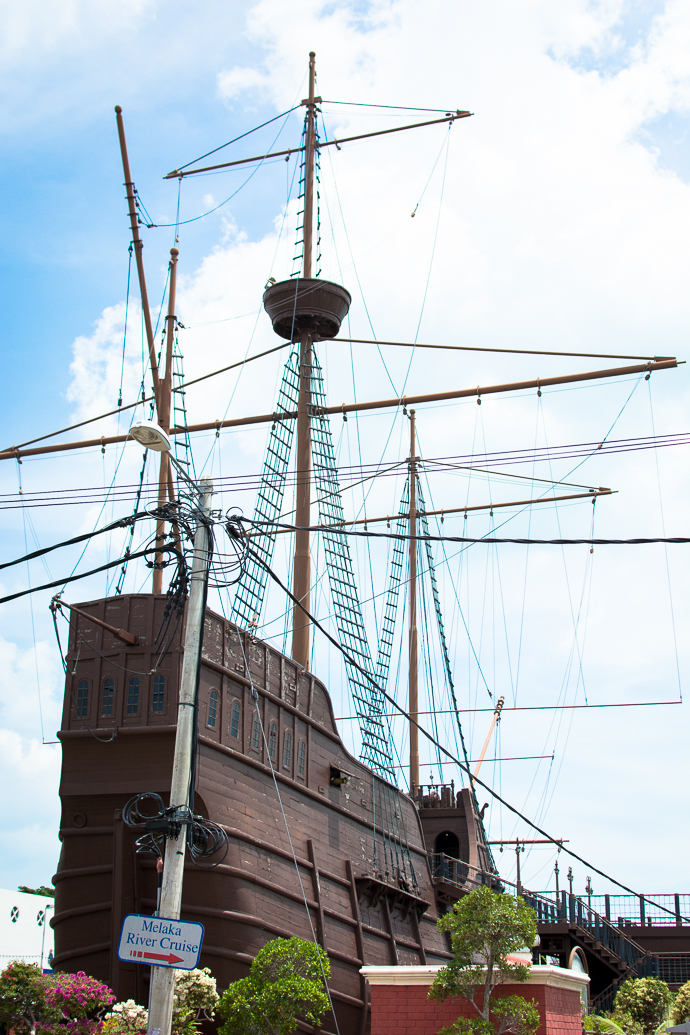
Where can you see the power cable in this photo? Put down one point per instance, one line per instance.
(488, 540)
(240, 137)
(444, 750)
(255, 697)
(120, 523)
(94, 571)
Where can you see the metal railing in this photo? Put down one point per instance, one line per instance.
(645, 910)
(549, 909)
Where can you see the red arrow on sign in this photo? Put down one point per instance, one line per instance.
(170, 959)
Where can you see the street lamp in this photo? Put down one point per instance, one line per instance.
(151, 436)
(44, 922)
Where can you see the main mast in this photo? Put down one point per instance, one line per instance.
(305, 309)
(413, 674)
(302, 562)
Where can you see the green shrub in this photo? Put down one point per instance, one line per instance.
(680, 1010)
(643, 1002)
(286, 980)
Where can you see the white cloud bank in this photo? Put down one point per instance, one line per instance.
(558, 230)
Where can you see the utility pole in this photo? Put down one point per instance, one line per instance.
(163, 978)
(302, 561)
(413, 674)
(518, 848)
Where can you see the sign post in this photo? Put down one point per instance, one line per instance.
(160, 941)
(162, 980)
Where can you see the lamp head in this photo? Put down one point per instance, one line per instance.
(150, 435)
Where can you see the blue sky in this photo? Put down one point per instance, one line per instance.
(563, 223)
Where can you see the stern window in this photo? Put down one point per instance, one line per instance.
(83, 697)
(256, 733)
(108, 695)
(235, 720)
(272, 738)
(133, 696)
(158, 693)
(301, 758)
(212, 709)
(287, 750)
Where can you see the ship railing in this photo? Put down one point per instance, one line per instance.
(672, 910)
(671, 967)
(578, 912)
(436, 795)
(550, 909)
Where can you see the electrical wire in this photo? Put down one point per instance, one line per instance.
(488, 540)
(438, 745)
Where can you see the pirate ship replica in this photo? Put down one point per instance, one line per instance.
(320, 844)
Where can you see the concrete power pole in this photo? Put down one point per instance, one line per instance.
(163, 978)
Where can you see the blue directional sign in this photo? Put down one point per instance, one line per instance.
(160, 942)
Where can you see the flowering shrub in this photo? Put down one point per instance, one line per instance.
(126, 1018)
(23, 1001)
(195, 997)
(79, 996)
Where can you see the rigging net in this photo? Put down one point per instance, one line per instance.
(249, 598)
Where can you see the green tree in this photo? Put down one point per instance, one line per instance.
(286, 981)
(23, 1002)
(680, 1011)
(645, 1000)
(43, 890)
(485, 927)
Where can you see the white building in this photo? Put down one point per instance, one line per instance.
(25, 931)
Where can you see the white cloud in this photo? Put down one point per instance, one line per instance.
(30, 815)
(236, 81)
(558, 230)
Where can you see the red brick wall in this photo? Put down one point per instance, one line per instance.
(406, 1010)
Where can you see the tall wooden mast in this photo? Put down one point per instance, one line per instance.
(165, 482)
(413, 675)
(302, 562)
(162, 389)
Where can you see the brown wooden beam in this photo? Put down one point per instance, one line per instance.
(378, 404)
(176, 174)
(592, 494)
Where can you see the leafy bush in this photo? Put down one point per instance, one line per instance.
(485, 928)
(642, 1001)
(286, 980)
(680, 1010)
(23, 1002)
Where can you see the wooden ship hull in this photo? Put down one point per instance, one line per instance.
(353, 872)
